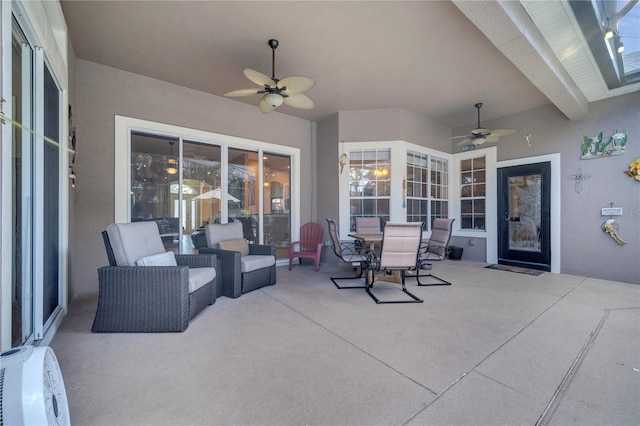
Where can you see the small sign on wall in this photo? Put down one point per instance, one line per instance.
(612, 211)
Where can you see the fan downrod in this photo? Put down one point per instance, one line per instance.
(274, 45)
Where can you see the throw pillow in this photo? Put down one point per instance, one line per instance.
(163, 259)
(238, 244)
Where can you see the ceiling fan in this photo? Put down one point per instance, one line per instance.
(480, 135)
(276, 92)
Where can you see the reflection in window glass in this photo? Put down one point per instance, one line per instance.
(201, 192)
(277, 202)
(369, 184)
(472, 193)
(151, 179)
(427, 188)
(243, 197)
(439, 188)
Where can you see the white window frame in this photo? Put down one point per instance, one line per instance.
(122, 177)
(44, 27)
(399, 150)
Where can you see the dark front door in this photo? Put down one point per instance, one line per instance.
(524, 209)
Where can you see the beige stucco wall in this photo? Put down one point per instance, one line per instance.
(585, 249)
(102, 93)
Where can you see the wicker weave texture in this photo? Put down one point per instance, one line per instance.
(136, 299)
(231, 281)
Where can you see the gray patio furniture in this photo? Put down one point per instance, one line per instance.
(347, 252)
(155, 298)
(243, 267)
(435, 249)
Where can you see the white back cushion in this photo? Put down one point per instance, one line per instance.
(132, 241)
(217, 232)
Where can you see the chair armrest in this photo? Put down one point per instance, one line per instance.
(197, 260)
(350, 248)
(146, 277)
(229, 270)
(262, 249)
(425, 247)
(142, 299)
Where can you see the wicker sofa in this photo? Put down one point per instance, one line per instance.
(154, 298)
(243, 267)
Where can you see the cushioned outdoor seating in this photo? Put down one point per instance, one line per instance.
(399, 252)
(309, 246)
(435, 249)
(367, 225)
(243, 267)
(147, 289)
(347, 252)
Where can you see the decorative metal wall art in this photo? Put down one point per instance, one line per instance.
(597, 147)
(634, 169)
(578, 177)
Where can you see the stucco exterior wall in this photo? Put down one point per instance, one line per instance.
(585, 249)
(103, 92)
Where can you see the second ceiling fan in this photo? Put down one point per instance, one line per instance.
(480, 135)
(276, 92)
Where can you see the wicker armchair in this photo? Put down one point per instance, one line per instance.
(148, 299)
(243, 267)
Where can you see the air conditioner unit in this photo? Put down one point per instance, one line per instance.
(31, 388)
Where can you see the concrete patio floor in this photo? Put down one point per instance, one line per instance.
(496, 347)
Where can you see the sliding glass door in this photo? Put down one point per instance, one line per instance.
(22, 197)
(276, 207)
(36, 158)
(183, 184)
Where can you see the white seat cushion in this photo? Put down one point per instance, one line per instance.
(199, 277)
(253, 262)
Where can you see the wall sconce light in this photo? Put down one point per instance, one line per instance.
(608, 33)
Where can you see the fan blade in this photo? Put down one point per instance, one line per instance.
(264, 106)
(242, 92)
(458, 137)
(492, 138)
(466, 141)
(296, 84)
(503, 132)
(259, 78)
(298, 100)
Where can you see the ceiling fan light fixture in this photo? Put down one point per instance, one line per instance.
(172, 163)
(274, 99)
(276, 91)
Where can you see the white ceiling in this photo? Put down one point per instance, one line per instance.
(434, 58)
